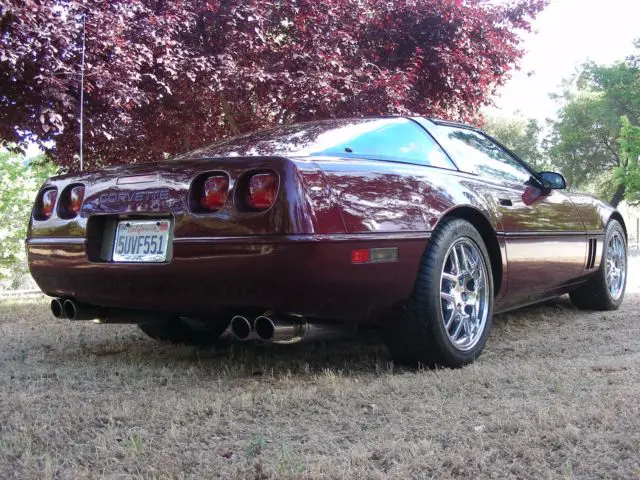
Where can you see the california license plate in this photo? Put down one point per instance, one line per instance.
(142, 241)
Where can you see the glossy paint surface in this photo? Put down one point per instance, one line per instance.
(169, 194)
(311, 276)
(296, 256)
(545, 241)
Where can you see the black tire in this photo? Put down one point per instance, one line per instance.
(595, 294)
(418, 336)
(177, 330)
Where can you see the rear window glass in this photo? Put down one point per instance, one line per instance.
(394, 139)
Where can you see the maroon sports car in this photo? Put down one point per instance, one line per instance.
(423, 227)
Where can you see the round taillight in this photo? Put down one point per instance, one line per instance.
(76, 197)
(45, 204)
(70, 201)
(214, 192)
(262, 191)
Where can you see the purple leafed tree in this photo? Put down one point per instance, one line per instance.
(162, 77)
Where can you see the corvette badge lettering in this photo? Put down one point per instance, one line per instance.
(133, 196)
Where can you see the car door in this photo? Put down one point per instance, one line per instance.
(545, 240)
(544, 234)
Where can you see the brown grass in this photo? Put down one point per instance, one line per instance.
(555, 395)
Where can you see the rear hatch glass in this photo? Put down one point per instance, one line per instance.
(390, 138)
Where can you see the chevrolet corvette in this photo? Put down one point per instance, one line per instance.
(422, 228)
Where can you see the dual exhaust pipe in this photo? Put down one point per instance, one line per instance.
(286, 330)
(67, 308)
(72, 310)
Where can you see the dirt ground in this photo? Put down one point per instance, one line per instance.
(555, 395)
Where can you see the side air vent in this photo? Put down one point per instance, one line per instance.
(591, 257)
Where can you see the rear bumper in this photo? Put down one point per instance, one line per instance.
(310, 275)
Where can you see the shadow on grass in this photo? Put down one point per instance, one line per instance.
(365, 353)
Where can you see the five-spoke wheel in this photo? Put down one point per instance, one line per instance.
(464, 293)
(447, 320)
(616, 264)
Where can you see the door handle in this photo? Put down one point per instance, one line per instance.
(505, 202)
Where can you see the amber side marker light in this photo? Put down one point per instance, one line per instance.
(375, 255)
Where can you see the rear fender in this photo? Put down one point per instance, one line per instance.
(595, 213)
(386, 197)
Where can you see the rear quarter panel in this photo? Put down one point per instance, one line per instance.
(389, 198)
(595, 213)
(380, 196)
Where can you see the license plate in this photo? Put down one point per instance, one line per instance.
(142, 241)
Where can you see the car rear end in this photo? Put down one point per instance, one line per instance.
(197, 236)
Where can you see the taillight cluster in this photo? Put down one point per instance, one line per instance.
(254, 191)
(69, 203)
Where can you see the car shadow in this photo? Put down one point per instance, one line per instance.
(364, 353)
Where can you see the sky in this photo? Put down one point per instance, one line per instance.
(564, 35)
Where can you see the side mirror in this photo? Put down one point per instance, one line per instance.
(553, 181)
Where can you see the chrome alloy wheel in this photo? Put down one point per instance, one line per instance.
(616, 265)
(464, 294)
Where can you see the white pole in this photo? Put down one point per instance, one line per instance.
(84, 15)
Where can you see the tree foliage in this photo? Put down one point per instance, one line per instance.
(591, 138)
(628, 173)
(523, 137)
(19, 181)
(583, 140)
(166, 76)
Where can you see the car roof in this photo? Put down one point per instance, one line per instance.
(435, 121)
(451, 123)
(221, 147)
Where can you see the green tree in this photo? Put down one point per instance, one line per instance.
(585, 142)
(629, 173)
(19, 182)
(523, 137)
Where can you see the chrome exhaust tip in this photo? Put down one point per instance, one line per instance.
(289, 330)
(265, 329)
(57, 308)
(279, 330)
(241, 327)
(69, 309)
(77, 311)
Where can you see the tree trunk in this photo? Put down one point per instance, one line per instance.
(228, 115)
(619, 195)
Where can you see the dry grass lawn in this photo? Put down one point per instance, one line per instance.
(555, 395)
